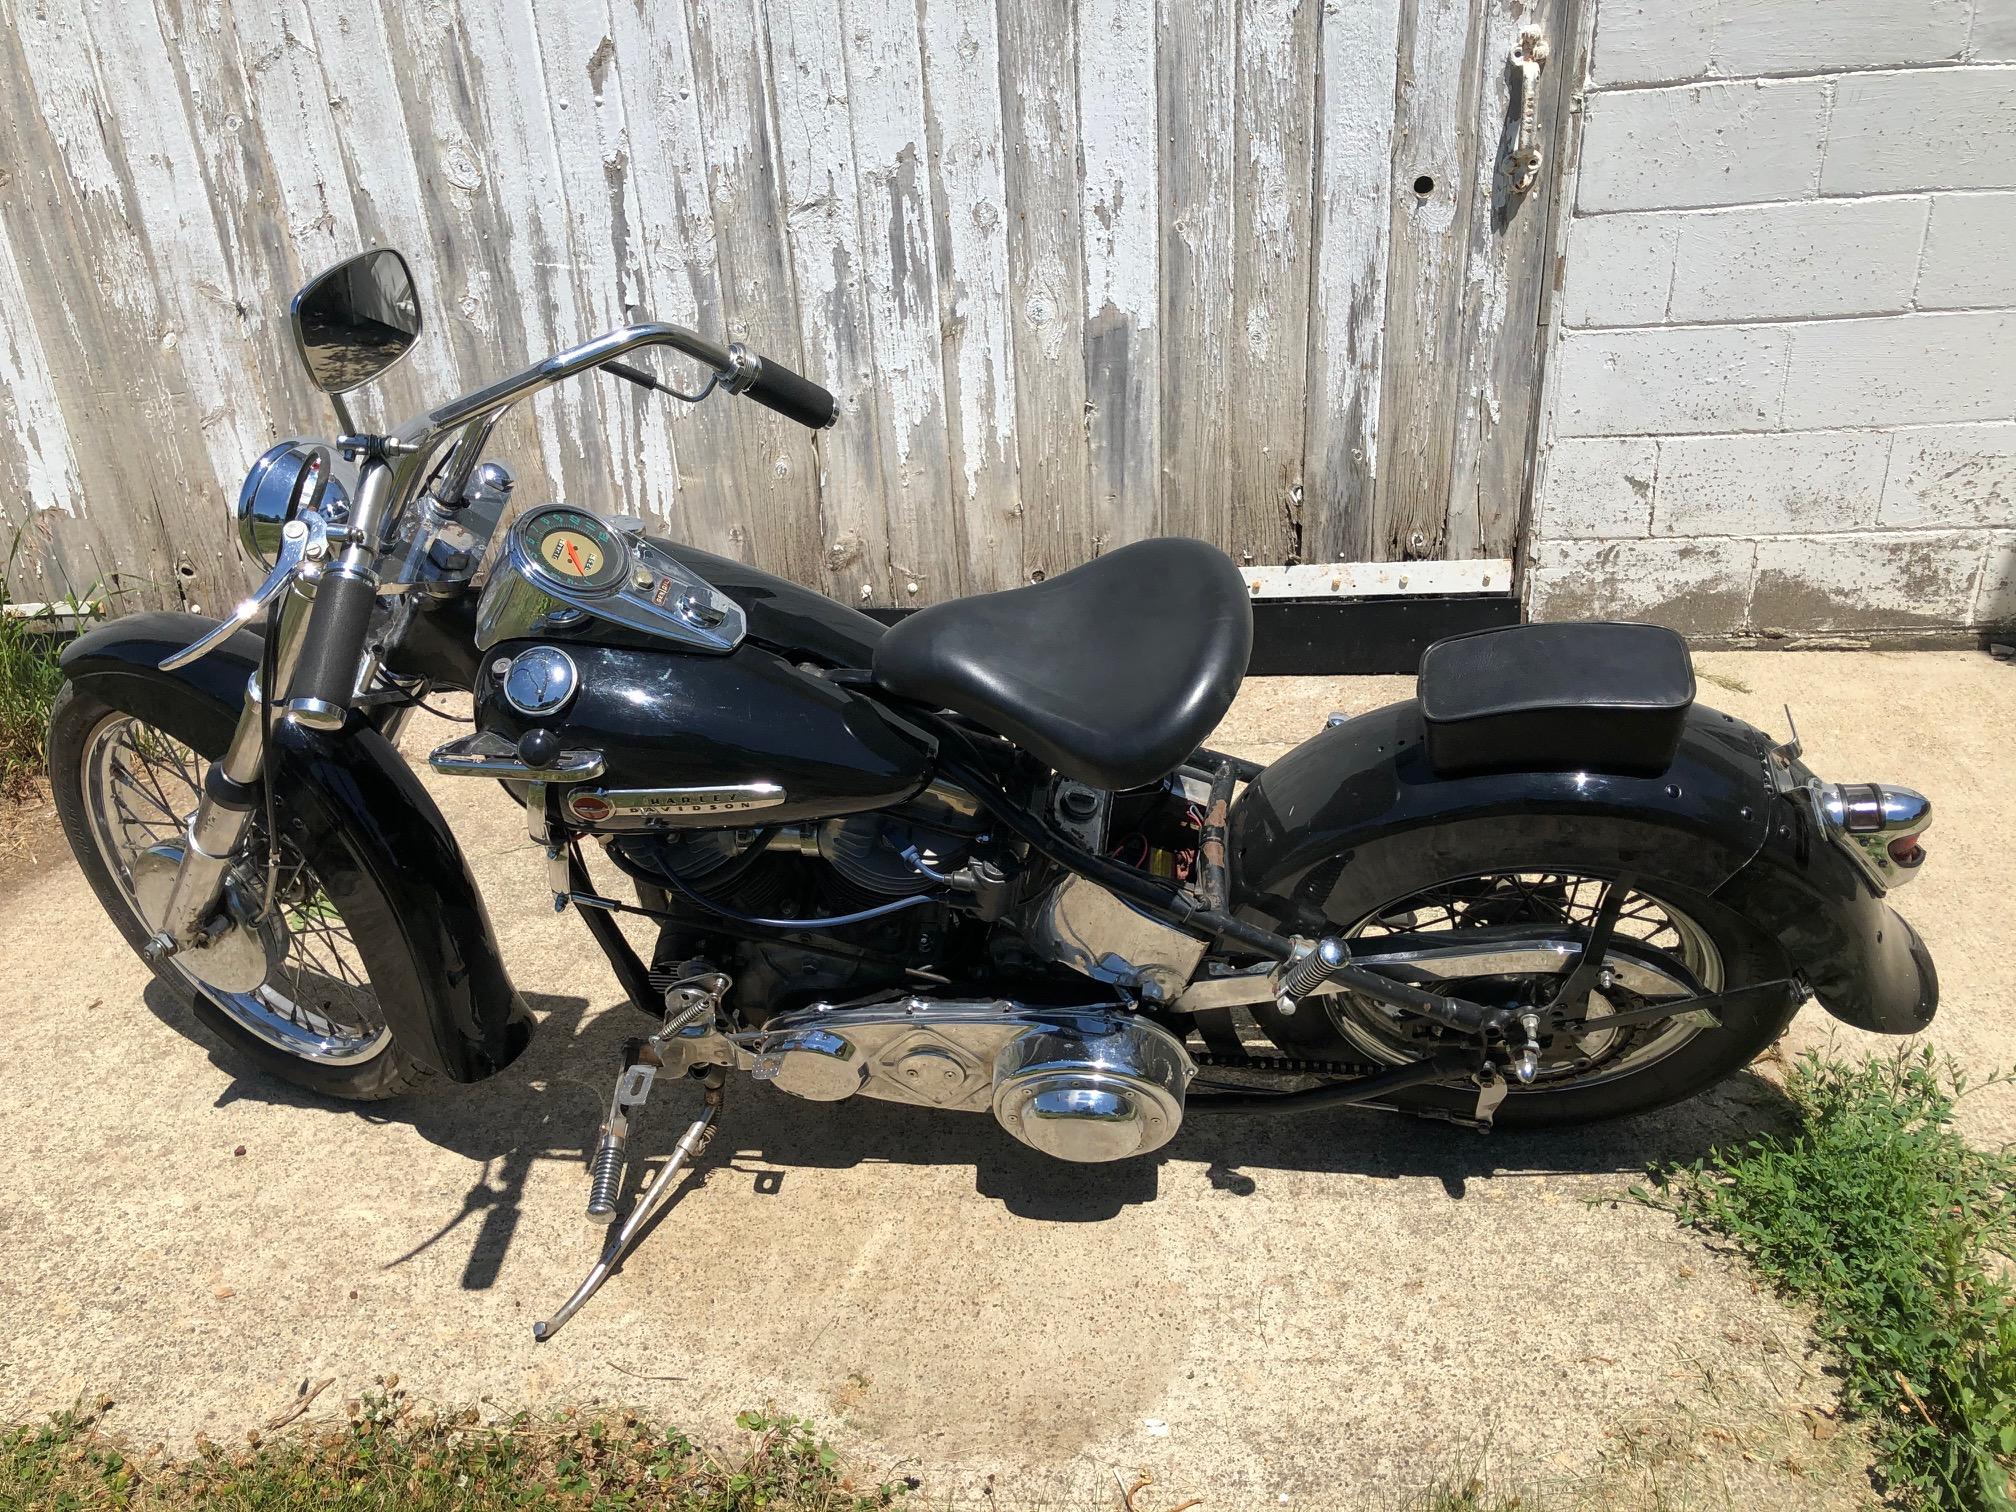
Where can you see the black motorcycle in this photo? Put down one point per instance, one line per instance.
(978, 861)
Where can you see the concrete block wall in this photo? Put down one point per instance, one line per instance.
(1783, 382)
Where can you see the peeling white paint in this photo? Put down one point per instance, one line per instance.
(1058, 260)
(29, 413)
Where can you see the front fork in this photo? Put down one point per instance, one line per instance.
(216, 830)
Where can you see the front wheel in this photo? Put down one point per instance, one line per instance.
(1598, 1073)
(305, 1010)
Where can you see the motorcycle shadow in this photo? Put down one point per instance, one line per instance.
(1239, 1152)
(548, 1106)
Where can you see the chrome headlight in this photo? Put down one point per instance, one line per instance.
(290, 477)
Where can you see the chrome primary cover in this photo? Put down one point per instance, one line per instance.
(1081, 1084)
(1099, 1087)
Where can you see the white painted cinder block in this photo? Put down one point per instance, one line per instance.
(1695, 587)
(1702, 144)
(1970, 251)
(1598, 487)
(1868, 582)
(1794, 481)
(1995, 599)
(1649, 41)
(1637, 383)
(1994, 38)
(1761, 262)
(1952, 475)
(1618, 269)
(1931, 128)
(1901, 370)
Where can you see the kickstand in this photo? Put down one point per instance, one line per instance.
(649, 1202)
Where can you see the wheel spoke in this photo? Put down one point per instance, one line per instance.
(317, 1003)
(1545, 900)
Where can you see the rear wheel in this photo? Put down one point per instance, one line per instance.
(1593, 1073)
(307, 1012)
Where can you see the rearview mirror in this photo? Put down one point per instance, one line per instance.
(356, 320)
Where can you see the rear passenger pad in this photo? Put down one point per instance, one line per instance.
(1596, 697)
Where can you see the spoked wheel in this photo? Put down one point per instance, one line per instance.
(289, 986)
(1668, 945)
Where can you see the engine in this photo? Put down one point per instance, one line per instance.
(842, 866)
(1086, 1084)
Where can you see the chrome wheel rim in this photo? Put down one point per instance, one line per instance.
(140, 787)
(1548, 900)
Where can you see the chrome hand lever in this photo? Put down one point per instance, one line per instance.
(303, 540)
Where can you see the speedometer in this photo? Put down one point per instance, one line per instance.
(575, 549)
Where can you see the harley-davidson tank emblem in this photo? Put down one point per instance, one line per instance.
(596, 805)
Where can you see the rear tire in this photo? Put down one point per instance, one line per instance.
(362, 1060)
(1737, 953)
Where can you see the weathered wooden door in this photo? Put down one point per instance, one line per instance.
(1081, 271)
(1480, 91)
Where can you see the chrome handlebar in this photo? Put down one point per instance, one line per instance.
(393, 469)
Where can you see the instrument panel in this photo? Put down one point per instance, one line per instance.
(564, 565)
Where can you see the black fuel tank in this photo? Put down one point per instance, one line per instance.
(783, 615)
(664, 718)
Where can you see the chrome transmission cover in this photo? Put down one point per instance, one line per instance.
(1083, 1084)
(1100, 934)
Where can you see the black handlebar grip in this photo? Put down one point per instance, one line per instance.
(331, 649)
(778, 388)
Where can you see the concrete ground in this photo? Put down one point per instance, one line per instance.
(1326, 1311)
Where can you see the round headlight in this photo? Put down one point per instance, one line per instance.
(288, 478)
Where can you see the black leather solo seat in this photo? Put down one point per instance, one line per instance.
(1112, 672)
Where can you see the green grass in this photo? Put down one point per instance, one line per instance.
(388, 1456)
(1898, 1233)
(29, 682)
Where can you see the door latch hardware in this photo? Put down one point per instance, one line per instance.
(1528, 57)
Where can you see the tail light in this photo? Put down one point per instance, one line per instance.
(1878, 825)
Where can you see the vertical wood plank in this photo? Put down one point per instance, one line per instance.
(1357, 51)
(1273, 158)
(899, 288)
(1196, 63)
(1118, 125)
(1039, 48)
(1505, 283)
(1434, 146)
(707, 498)
(822, 191)
(962, 89)
(762, 300)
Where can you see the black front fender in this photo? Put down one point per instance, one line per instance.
(383, 850)
(1358, 807)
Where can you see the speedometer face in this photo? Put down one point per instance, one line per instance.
(571, 554)
(575, 548)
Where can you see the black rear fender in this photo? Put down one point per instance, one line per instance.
(455, 1010)
(1357, 812)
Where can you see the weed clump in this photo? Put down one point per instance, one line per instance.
(1897, 1231)
(390, 1456)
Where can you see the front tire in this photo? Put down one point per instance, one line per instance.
(1632, 1071)
(122, 785)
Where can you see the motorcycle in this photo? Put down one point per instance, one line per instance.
(978, 861)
